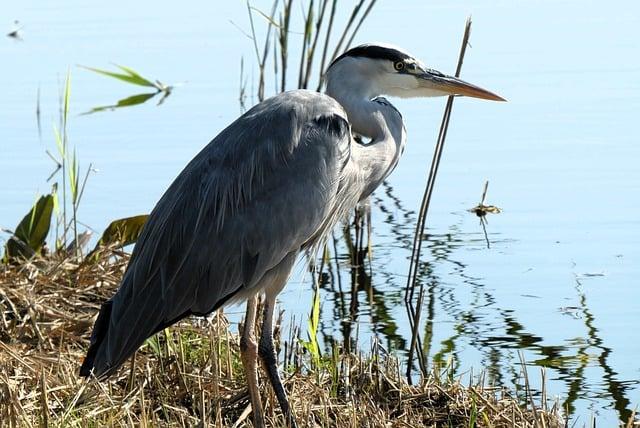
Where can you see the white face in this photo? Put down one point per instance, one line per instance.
(408, 79)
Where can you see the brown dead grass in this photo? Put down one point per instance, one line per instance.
(190, 375)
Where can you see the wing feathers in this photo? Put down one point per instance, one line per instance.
(264, 188)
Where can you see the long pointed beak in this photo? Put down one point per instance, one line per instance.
(449, 85)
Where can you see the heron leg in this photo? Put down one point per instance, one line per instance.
(249, 356)
(269, 358)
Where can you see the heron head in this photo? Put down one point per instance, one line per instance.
(380, 69)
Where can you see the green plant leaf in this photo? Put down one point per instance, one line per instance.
(56, 200)
(31, 234)
(74, 173)
(135, 75)
(154, 343)
(126, 102)
(313, 323)
(123, 231)
(130, 76)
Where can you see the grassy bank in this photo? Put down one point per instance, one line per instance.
(191, 374)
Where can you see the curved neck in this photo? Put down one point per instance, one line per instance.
(374, 118)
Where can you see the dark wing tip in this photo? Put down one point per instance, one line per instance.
(85, 368)
(97, 337)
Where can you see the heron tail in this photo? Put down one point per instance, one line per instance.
(98, 336)
(125, 321)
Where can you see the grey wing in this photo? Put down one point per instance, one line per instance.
(264, 188)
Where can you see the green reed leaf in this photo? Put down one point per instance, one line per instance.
(130, 76)
(30, 235)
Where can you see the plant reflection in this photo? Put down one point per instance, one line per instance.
(133, 100)
(366, 295)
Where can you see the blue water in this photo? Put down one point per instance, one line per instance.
(559, 281)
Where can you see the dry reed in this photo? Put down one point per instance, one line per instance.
(191, 374)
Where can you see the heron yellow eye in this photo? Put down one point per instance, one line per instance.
(398, 65)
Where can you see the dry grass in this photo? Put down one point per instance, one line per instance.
(191, 375)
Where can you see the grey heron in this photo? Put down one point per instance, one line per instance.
(269, 186)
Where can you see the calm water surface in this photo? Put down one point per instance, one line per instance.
(559, 281)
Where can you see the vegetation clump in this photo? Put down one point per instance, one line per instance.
(191, 374)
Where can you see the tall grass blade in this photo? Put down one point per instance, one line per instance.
(73, 178)
(312, 345)
(59, 142)
(67, 96)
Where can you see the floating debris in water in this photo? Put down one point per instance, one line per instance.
(481, 209)
(15, 33)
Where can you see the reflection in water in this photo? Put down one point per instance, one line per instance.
(132, 100)
(615, 388)
(364, 292)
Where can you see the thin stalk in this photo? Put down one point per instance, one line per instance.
(362, 18)
(412, 279)
(63, 125)
(253, 32)
(265, 52)
(242, 92)
(73, 181)
(284, 42)
(261, 59)
(306, 39)
(275, 68)
(312, 48)
(326, 45)
(352, 19)
(84, 182)
(38, 114)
